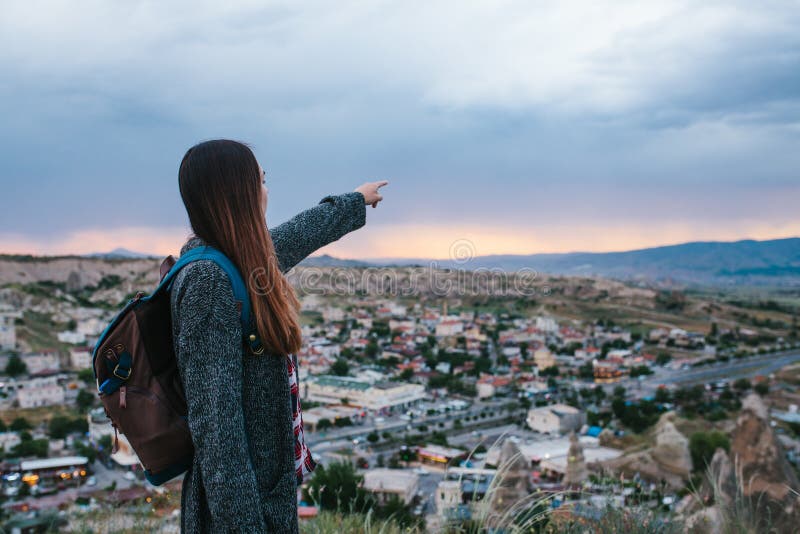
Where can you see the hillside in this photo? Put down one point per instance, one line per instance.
(53, 289)
(746, 262)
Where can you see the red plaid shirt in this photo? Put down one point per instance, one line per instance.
(303, 462)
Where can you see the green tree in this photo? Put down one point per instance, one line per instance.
(19, 424)
(640, 370)
(336, 486)
(324, 424)
(586, 371)
(16, 366)
(549, 371)
(86, 375)
(394, 508)
(407, 374)
(439, 438)
(599, 395)
(105, 442)
(372, 348)
(663, 395)
(86, 450)
(59, 426)
(31, 447)
(373, 437)
(482, 365)
(340, 367)
(84, 400)
(702, 446)
(762, 388)
(343, 421)
(742, 384)
(663, 357)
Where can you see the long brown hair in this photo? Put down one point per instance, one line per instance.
(220, 186)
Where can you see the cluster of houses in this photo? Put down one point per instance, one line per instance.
(49, 379)
(404, 346)
(523, 348)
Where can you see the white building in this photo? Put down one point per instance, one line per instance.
(91, 326)
(75, 338)
(543, 359)
(448, 496)
(449, 327)
(327, 349)
(80, 357)
(313, 416)
(381, 395)
(534, 387)
(385, 483)
(555, 419)
(619, 353)
(9, 440)
(99, 426)
(332, 313)
(8, 332)
(546, 324)
(552, 454)
(40, 392)
(396, 324)
(41, 361)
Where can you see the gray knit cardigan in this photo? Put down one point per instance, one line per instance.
(242, 478)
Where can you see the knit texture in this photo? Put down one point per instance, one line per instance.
(242, 477)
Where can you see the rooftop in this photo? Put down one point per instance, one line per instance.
(438, 450)
(52, 463)
(390, 480)
(342, 382)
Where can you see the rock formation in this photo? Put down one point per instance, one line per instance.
(512, 484)
(576, 463)
(671, 450)
(759, 456)
(667, 462)
(753, 487)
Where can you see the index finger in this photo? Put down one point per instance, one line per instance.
(381, 183)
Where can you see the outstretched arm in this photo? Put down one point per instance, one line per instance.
(312, 229)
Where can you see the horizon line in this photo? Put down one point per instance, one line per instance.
(146, 255)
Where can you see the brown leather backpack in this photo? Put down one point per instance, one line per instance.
(137, 372)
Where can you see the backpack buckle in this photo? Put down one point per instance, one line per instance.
(255, 344)
(126, 370)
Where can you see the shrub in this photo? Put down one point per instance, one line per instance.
(702, 446)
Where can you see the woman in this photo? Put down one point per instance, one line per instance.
(243, 477)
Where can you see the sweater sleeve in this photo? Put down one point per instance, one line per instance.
(309, 230)
(208, 349)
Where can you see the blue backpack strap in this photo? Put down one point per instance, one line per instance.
(120, 372)
(239, 289)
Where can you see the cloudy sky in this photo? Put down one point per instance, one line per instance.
(519, 126)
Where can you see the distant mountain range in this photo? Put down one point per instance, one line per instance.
(746, 262)
(119, 254)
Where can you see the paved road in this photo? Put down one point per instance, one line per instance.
(735, 368)
(106, 476)
(396, 425)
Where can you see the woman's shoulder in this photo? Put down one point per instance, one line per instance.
(203, 286)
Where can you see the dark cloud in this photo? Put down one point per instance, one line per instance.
(685, 112)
